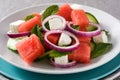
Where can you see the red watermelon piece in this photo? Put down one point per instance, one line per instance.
(53, 38)
(84, 39)
(65, 11)
(28, 25)
(79, 18)
(81, 54)
(39, 16)
(30, 48)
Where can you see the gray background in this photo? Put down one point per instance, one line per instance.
(110, 6)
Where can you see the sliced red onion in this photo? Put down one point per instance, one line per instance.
(63, 48)
(83, 33)
(70, 64)
(15, 35)
(50, 17)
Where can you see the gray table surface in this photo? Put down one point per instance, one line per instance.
(110, 6)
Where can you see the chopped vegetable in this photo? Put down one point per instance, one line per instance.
(81, 54)
(61, 48)
(30, 48)
(53, 38)
(92, 18)
(84, 33)
(92, 44)
(65, 11)
(16, 35)
(67, 65)
(11, 44)
(28, 25)
(79, 18)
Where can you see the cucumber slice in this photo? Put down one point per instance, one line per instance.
(11, 44)
(93, 19)
(92, 44)
(91, 28)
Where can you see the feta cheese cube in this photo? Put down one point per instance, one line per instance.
(101, 38)
(64, 39)
(56, 23)
(14, 26)
(61, 60)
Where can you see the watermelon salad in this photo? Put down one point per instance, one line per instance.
(64, 35)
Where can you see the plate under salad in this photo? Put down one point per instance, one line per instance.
(68, 48)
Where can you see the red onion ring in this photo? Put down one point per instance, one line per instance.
(63, 48)
(83, 33)
(15, 35)
(70, 64)
(50, 17)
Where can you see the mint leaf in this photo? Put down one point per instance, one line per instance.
(77, 27)
(28, 17)
(100, 49)
(38, 31)
(49, 11)
(44, 56)
(54, 53)
(47, 26)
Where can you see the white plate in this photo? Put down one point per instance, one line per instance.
(105, 19)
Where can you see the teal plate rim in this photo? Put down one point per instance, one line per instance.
(16, 73)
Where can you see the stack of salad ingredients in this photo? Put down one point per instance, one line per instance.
(62, 34)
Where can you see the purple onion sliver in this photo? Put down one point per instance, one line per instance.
(68, 65)
(59, 48)
(15, 35)
(83, 33)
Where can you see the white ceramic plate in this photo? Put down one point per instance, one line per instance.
(106, 20)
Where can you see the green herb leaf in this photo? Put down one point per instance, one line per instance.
(44, 56)
(37, 30)
(47, 26)
(100, 49)
(29, 17)
(77, 27)
(54, 53)
(49, 11)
